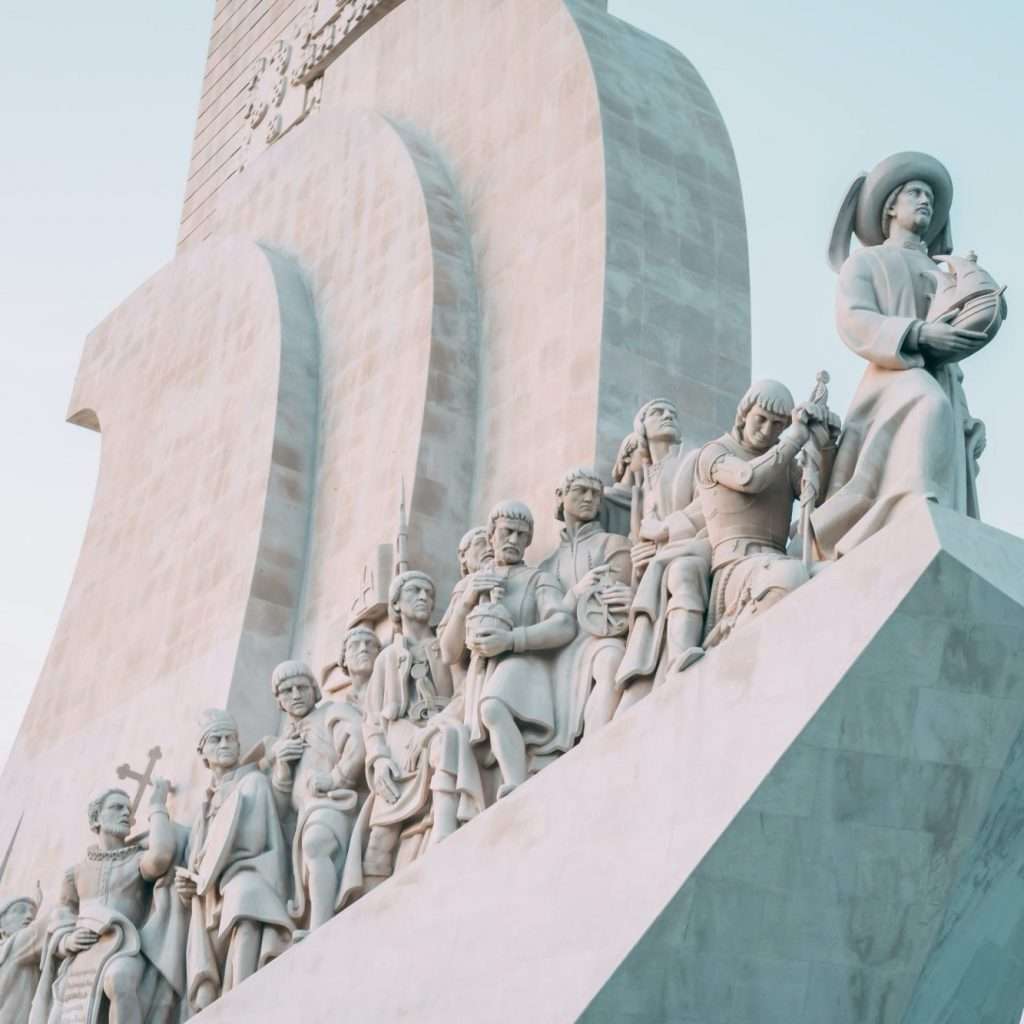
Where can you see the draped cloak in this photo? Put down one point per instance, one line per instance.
(908, 434)
(245, 858)
(19, 971)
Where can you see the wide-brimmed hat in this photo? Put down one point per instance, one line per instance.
(892, 172)
(862, 211)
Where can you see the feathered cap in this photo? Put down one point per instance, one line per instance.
(863, 210)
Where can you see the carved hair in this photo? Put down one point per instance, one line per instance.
(354, 633)
(577, 473)
(631, 443)
(514, 510)
(638, 419)
(466, 543)
(769, 395)
(293, 670)
(10, 905)
(96, 806)
(395, 591)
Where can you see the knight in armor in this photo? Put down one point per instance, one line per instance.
(116, 950)
(594, 568)
(510, 619)
(425, 780)
(748, 481)
(317, 776)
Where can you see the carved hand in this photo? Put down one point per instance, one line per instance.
(492, 642)
(288, 750)
(940, 340)
(653, 529)
(321, 784)
(616, 596)
(185, 887)
(385, 774)
(589, 580)
(80, 940)
(161, 787)
(480, 584)
(423, 737)
(642, 553)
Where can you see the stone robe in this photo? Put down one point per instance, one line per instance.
(399, 709)
(908, 434)
(579, 552)
(333, 734)
(522, 682)
(238, 851)
(20, 954)
(148, 918)
(669, 495)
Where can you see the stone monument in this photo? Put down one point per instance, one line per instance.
(734, 737)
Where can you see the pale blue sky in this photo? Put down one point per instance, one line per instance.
(99, 102)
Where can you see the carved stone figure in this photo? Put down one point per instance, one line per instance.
(594, 569)
(237, 877)
(115, 952)
(749, 479)
(22, 936)
(671, 558)
(317, 777)
(425, 778)
(358, 653)
(510, 617)
(474, 553)
(909, 433)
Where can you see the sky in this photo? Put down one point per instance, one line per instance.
(99, 107)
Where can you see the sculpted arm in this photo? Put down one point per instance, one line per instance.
(351, 748)
(556, 627)
(718, 466)
(163, 842)
(453, 637)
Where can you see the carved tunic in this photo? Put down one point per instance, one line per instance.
(908, 433)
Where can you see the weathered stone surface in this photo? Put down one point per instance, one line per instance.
(826, 831)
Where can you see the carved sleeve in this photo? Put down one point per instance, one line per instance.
(374, 736)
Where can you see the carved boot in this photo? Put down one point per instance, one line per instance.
(683, 632)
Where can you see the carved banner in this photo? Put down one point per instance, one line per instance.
(285, 82)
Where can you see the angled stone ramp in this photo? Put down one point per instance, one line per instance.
(877, 874)
(693, 862)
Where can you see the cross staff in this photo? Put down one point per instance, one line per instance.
(144, 779)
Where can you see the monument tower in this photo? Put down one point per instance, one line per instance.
(432, 254)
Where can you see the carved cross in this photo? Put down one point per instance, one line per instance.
(125, 771)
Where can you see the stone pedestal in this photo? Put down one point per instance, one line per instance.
(817, 822)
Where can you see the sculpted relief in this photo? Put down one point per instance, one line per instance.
(418, 728)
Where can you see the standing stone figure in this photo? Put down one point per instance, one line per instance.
(115, 952)
(474, 553)
(318, 765)
(908, 433)
(359, 651)
(425, 778)
(749, 479)
(510, 618)
(667, 616)
(22, 935)
(594, 569)
(237, 877)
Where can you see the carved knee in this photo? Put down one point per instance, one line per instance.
(122, 977)
(318, 843)
(782, 574)
(687, 581)
(494, 714)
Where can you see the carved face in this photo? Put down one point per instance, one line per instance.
(661, 423)
(416, 600)
(115, 817)
(221, 748)
(17, 916)
(582, 500)
(478, 552)
(761, 429)
(913, 207)
(510, 538)
(296, 696)
(360, 653)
